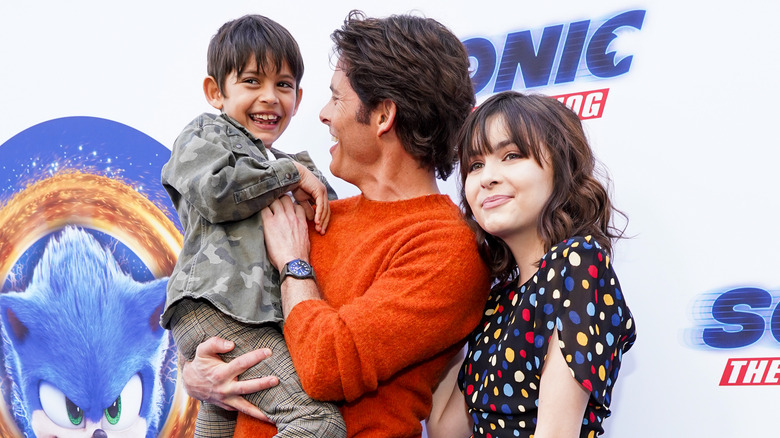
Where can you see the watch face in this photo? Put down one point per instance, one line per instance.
(299, 267)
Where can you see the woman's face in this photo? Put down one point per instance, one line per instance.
(506, 191)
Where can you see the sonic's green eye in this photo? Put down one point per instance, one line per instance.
(125, 412)
(114, 412)
(75, 414)
(59, 408)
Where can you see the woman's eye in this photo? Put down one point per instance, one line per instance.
(513, 156)
(475, 166)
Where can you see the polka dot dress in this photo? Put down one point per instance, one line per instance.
(574, 291)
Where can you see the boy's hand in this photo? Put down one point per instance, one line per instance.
(310, 189)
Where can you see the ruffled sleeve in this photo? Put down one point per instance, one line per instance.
(595, 327)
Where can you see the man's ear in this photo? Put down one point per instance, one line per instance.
(211, 90)
(385, 114)
(298, 100)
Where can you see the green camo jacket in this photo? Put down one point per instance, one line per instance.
(219, 177)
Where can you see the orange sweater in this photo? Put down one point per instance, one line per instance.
(403, 286)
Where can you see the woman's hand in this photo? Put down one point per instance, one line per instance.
(208, 378)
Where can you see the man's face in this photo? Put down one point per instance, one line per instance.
(356, 147)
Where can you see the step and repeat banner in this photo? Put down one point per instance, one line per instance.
(679, 102)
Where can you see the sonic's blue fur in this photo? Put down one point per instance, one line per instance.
(85, 327)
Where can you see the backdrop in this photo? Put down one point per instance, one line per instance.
(678, 99)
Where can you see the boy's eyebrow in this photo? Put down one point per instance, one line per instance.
(258, 72)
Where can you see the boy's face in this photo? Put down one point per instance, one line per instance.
(262, 103)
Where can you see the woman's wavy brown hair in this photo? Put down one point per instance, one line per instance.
(552, 134)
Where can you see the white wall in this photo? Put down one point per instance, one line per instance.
(688, 135)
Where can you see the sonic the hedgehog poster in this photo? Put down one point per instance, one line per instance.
(87, 240)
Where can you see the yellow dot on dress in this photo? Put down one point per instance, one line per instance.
(496, 333)
(585, 284)
(524, 392)
(602, 373)
(582, 339)
(608, 300)
(510, 355)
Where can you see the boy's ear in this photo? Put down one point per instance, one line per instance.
(385, 115)
(211, 90)
(298, 100)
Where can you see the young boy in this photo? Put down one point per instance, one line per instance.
(219, 177)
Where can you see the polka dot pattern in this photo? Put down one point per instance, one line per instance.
(575, 291)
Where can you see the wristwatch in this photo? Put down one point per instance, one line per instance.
(297, 269)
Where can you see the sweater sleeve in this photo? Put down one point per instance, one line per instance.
(213, 171)
(429, 297)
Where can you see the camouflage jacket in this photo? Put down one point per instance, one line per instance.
(219, 177)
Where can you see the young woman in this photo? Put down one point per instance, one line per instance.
(546, 355)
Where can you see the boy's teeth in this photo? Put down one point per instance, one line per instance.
(264, 117)
(334, 138)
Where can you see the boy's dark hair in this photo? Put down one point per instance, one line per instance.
(238, 41)
(422, 67)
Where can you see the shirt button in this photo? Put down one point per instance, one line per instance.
(238, 146)
(287, 176)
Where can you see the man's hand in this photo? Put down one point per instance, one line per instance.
(286, 232)
(312, 189)
(208, 378)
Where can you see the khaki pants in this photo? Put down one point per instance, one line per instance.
(293, 411)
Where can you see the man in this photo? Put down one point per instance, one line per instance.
(399, 283)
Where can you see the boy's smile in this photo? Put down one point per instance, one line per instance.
(261, 101)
